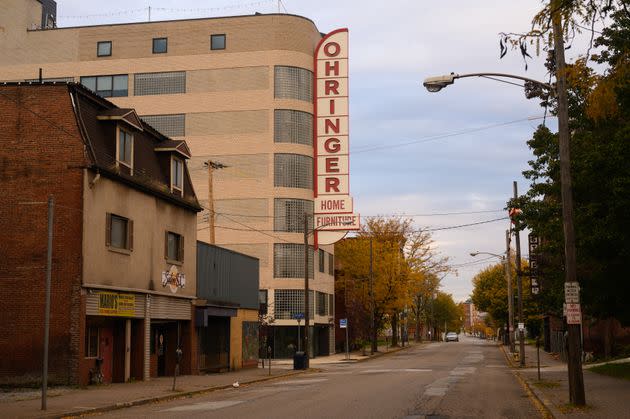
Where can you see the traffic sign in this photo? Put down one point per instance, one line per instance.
(343, 323)
(574, 314)
(572, 292)
(298, 316)
(521, 326)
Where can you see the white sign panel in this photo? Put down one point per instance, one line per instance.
(343, 323)
(333, 205)
(574, 314)
(335, 222)
(572, 292)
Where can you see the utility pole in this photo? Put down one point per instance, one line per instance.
(211, 232)
(51, 212)
(574, 361)
(372, 303)
(508, 275)
(519, 283)
(306, 301)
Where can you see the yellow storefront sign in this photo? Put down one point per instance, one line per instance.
(114, 304)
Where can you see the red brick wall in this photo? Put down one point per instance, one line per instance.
(41, 153)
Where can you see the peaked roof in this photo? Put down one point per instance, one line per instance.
(128, 116)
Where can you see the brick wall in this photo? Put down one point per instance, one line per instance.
(41, 154)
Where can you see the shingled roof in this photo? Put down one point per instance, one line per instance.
(98, 119)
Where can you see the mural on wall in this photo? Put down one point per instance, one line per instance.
(250, 344)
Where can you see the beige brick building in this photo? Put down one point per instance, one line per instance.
(239, 90)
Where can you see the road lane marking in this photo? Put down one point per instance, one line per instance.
(300, 382)
(204, 406)
(381, 371)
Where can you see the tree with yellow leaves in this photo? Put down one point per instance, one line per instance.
(402, 261)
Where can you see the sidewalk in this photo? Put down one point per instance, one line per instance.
(606, 397)
(64, 402)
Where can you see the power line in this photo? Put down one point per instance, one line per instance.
(441, 136)
(466, 225)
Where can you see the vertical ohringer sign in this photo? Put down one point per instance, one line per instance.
(333, 212)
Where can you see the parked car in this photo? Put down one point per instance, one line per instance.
(451, 337)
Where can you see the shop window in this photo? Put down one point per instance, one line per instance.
(119, 234)
(217, 41)
(91, 342)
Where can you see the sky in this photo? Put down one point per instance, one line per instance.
(411, 152)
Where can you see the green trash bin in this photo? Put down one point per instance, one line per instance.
(299, 361)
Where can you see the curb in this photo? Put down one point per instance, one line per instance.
(167, 397)
(541, 404)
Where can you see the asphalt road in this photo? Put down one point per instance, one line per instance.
(466, 379)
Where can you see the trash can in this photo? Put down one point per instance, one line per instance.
(299, 361)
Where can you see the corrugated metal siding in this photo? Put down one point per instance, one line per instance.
(92, 300)
(224, 276)
(170, 308)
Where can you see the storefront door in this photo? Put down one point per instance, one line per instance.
(106, 352)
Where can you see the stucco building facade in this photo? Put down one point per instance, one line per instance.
(240, 91)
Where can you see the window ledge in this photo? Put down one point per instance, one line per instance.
(174, 262)
(118, 250)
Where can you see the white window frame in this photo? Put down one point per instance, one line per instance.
(118, 160)
(174, 186)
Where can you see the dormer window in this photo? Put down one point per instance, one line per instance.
(177, 175)
(125, 148)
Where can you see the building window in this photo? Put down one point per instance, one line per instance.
(125, 148)
(322, 303)
(293, 83)
(169, 125)
(159, 83)
(174, 247)
(288, 303)
(217, 41)
(322, 260)
(119, 234)
(331, 304)
(160, 45)
(331, 264)
(289, 214)
(107, 86)
(104, 49)
(262, 301)
(293, 127)
(177, 175)
(288, 260)
(293, 171)
(91, 342)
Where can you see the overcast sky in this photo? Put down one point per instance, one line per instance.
(468, 142)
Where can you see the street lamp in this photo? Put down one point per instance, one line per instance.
(505, 258)
(435, 84)
(308, 232)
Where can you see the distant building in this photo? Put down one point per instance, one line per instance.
(124, 239)
(240, 90)
(471, 315)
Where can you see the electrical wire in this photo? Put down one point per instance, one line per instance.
(442, 136)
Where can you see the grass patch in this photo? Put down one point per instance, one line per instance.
(546, 384)
(621, 370)
(571, 408)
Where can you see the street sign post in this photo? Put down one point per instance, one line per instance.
(343, 324)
